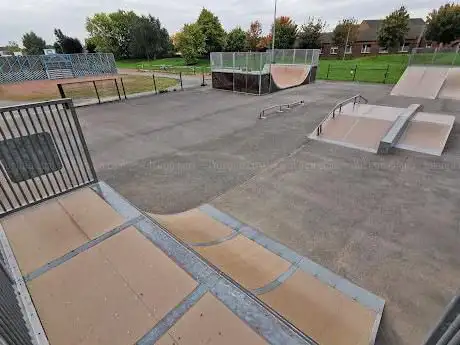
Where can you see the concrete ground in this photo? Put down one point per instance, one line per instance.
(388, 223)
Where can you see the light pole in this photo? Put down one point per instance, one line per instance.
(273, 33)
(346, 43)
(273, 46)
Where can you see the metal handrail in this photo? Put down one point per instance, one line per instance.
(280, 106)
(338, 106)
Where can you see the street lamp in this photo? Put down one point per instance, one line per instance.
(273, 46)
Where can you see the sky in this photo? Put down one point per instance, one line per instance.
(20, 16)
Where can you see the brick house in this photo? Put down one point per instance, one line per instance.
(366, 42)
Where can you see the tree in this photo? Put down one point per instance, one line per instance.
(285, 33)
(33, 44)
(346, 28)
(265, 43)
(149, 40)
(90, 45)
(67, 45)
(253, 35)
(212, 30)
(191, 43)
(112, 32)
(12, 47)
(309, 35)
(394, 28)
(443, 25)
(236, 40)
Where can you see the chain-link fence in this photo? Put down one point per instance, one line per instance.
(252, 72)
(447, 56)
(15, 69)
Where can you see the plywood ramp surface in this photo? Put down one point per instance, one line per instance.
(325, 314)
(85, 301)
(210, 322)
(110, 294)
(150, 273)
(46, 232)
(451, 88)
(247, 262)
(193, 226)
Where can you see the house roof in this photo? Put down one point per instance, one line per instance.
(368, 29)
(326, 37)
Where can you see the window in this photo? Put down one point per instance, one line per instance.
(366, 49)
(428, 45)
(383, 50)
(404, 48)
(334, 50)
(348, 50)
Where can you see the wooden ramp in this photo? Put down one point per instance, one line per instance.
(324, 306)
(99, 271)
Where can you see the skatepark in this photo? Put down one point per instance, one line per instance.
(264, 72)
(207, 210)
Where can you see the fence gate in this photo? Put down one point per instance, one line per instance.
(42, 154)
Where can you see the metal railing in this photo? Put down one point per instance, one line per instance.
(13, 327)
(280, 108)
(104, 90)
(43, 154)
(355, 99)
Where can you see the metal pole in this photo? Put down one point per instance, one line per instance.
(434, 56)
(123, 87)
(181, 84)
(273, 48)
(154, 83)
(118, 90)
(346, 43)
(455, 56)
(97, 93)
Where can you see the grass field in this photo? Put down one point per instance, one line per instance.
(31, 91)
(384, 68)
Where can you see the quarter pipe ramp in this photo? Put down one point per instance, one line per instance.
(422, 82)
(286, 76)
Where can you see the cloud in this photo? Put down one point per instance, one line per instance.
(43, 17)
